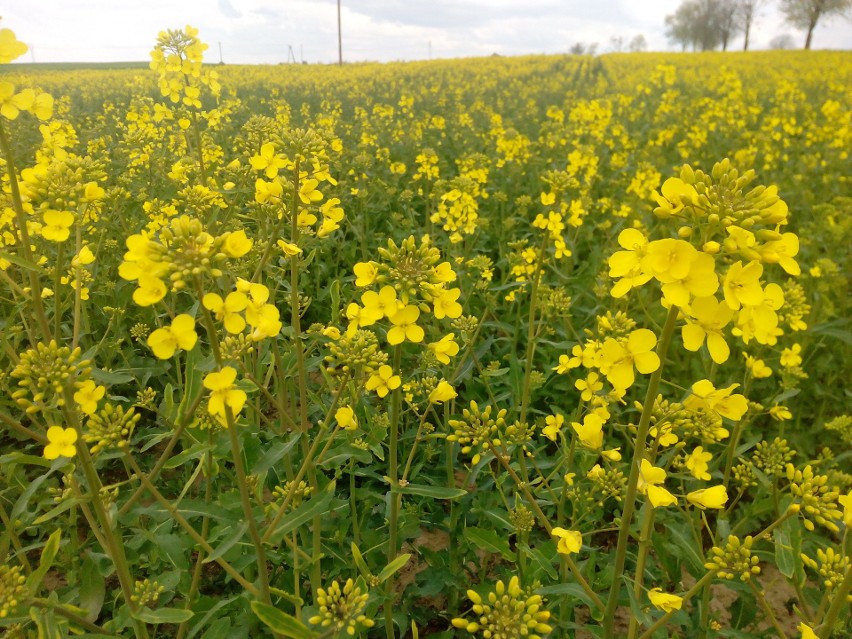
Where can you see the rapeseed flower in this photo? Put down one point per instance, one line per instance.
(568, 542)
(383, 381)
(664, 601)
(650, 480)
(179, 334)
(405, 326)
(713, 497)
(621, 356)
(60, 442)
(223, 393)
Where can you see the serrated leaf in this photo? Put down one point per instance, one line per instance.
(393, 567)
(163, 615)
(489, 541)
(281, 622)
(434, 492)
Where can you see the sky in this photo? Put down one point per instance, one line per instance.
(274, 31)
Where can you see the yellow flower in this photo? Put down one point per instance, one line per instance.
(588, 386)
(742, 284)
(553, 426)
(568, 542)
(10, 46)
(267, 161)
(696, 463)
(675, 195)
(88, 396)
(365, 273)
(705, 318)
(383, 381)
(236, 244)
(405, 327)
(445, 348)
(60, 442)
(266, 191)
(664, 601)
(180, 334)
(223, 393)
(613, 454)
(228, 310)
(782, 252)
(590, 431)
(650, 478)
(713, 497)
(381, 304)
(807, 631)
(57, 225)
(706, 396)
(846, 502)
(620, 356)
(151, 290)
(290, 249)
(308, 192)
(346, 418)
(791, 357)
(443, 392)
(445, 304)
(780, 413)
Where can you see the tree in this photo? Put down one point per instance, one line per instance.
(746, 12)
(804, 14)
(703, 24)
(782, 41)
(638, 43)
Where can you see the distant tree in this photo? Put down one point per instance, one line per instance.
(638, 43)
(747, 12)
(804, 14)
(727, 21)
(703, 24)
(616, 44)
(782, 41)
(581, 48)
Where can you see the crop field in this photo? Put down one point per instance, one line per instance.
(501, 347)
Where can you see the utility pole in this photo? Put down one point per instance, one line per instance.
(221, 61)
(430, 49)
(339, 37)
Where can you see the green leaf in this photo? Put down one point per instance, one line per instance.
(66, 504)
(393, 567)
(301, 515)
(435, 492)
(360, 564)
(163, 615)
(92, 589)
(572, 590)
(24, 263)
(273, 455)
(112, 377)
(489, 541)
(48, 554)
(788, 547)
(229, 543)
(281, 622)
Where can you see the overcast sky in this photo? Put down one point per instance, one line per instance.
(262, 31)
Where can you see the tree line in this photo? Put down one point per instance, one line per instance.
(703, 25)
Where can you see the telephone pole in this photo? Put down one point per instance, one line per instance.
(339, 37)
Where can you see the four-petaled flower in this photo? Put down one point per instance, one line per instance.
(60, 442)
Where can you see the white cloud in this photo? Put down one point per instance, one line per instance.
(261, 31)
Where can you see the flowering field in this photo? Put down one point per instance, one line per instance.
(496, 348)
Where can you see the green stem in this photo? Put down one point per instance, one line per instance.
(530, 352)
(114, 547)
(633, 480)
(545, 522)
(393, 476)
(826, 628)
(662, 621)
(183, 523)
(21, 220)
(642, 555)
